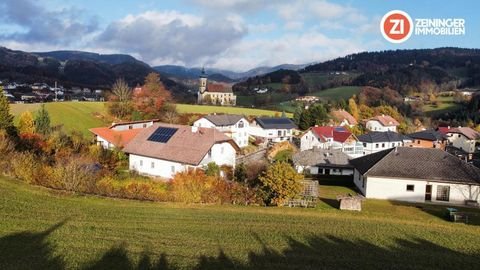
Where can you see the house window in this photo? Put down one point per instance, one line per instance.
(458, 135)
(172, 169)
(383, 145)
(130, 127)
(141, 163)
(152, 165)
(144, 125)
(210, 153)
(411, 188)
(376, 145)
(443, 193)
(240, 124)
(279, 133)
(364, 144)
(418, 142)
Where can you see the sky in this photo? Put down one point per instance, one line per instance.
(230, 34)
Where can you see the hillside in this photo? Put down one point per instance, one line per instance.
(44, 229)
(71, 68)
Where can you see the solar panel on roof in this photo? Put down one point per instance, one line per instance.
(162, 134)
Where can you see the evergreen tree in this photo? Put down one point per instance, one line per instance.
(6, 119)
(305, 120)
(297, 114)
(240, 174)
(318, 115)
(42, 121)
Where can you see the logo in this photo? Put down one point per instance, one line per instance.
(396, 26)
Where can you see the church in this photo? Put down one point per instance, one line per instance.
(214, 93)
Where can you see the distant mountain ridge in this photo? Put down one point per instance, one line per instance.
(112, 59)
(194, 72)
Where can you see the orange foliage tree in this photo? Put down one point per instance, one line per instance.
(149, 100)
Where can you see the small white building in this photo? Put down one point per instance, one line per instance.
(234, 126)
(377, 141)
(322, 162)
(329, 137)
(272, 129)
(163, 150)
(464, 138)
(417, 175)
(382, 123)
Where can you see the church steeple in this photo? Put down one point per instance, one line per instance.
(203, 81)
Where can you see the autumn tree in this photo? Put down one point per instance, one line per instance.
(152, 97)
(26, 124)
(6, 119)
(169, 113)
(353, 108)
(120, 102)
(42, 121)
(282, 182)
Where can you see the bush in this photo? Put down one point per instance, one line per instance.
(281, 182)
(212, 169)
(25, 166)
(138, 189)
(76, 174)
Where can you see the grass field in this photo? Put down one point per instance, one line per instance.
(84, 115)
(446, 105)
(72, 115)
(337, 93)
(187, 108)
(44, 229)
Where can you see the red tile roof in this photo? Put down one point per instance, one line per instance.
(117, 138)
(218, 88)
(341, 115)
(339, 134)
(385, 120)
(185, 146)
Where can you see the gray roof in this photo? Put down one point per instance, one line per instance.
(378, 136)
(275, 123)
(418, 163)
(223, 119)
(428, 135)
(321, 157)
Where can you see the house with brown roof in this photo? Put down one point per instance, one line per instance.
(343, 118)
(162, 150)
(427, 139)
(417, 175)
(382, 123)
(463, 138)
(119, 134)
(331, 137)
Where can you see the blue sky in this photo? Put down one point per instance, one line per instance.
(235, 34)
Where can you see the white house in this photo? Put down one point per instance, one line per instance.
(328, 137)
(323, 162)
(272, 129)
(463, 138)
(234, 126)
(417, 175)
(162, 150)
(119, 134)
(376, 141)
(343, 118)
(382, 123)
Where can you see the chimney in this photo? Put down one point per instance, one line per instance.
(194, 129)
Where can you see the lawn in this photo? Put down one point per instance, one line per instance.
(72, 115)
(342, 92)
(45, 229)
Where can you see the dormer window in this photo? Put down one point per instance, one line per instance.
(241, 124)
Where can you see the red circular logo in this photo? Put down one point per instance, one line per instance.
(396, 26)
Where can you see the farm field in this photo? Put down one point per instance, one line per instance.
(46, 229)
(82, 116)
(78, 116)
(446, 105)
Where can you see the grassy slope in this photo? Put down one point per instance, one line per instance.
(117, 234)
(337, 93)
(187, 108)
(72, 115)
(446, 105)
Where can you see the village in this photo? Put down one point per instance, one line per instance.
(433, 165)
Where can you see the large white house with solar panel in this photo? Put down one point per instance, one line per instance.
(273, 129)
(163, 150)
